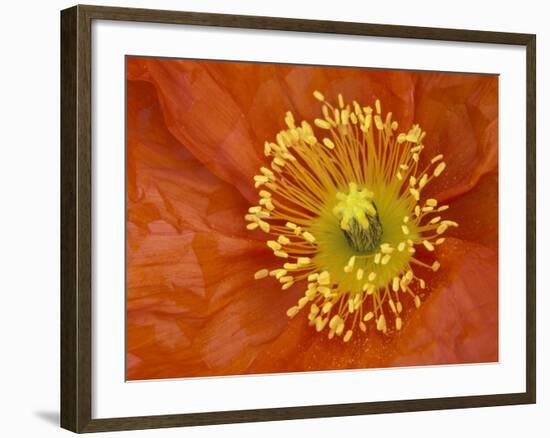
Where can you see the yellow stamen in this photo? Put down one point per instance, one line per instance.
(326, 205)
(262, 273)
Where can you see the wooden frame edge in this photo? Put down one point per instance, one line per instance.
(76, 167)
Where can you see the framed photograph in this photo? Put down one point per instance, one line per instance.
(268, 218)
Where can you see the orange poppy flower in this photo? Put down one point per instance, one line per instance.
(196, 133)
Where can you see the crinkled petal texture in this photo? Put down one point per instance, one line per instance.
(195, 135)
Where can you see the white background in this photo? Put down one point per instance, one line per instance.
(29, 188)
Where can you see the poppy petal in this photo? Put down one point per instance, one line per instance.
(189, 315)
(460, 115)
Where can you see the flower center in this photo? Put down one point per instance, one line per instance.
(358, 218)
(347, 215)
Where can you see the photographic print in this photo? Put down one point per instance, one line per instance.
(295, 218)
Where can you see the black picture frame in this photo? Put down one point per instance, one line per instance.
(76, 217)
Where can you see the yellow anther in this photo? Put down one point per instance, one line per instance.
(340, 327)
(308, 236)
(314, 309)
(268, 173)
(437, 158)
(377, 258)
(435, 266)
(440, 241)
(319, 96)
(290, 266)
(328, 143)
(282, 254)
(431, 202)
(450, 223)
(385, 260)
(289, 119)
(381, 323)
(265, 194)
(398, 323)
(372, 276)
(405, 230)
(378, 106)
(262, 273)
(442, 228)
(423, 181)
(348, 335)
(395, 284)
(291, 225)
(415, 193)
(401, 246)
(313, 277)
(283, 240)
(252, 226)
(320, 323)
(360, 273)
(327, 306)
(439, 169)
(349, 266)
(268, 203)
(386, 248)
(368, 316)
(334, 321)
(428, 245)
(369, 288)
(303, 261)
(287, 285)
(417, 301)
(293, 311)
(435, 220)
(275, 246)
(324, 278)
(323, 124)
